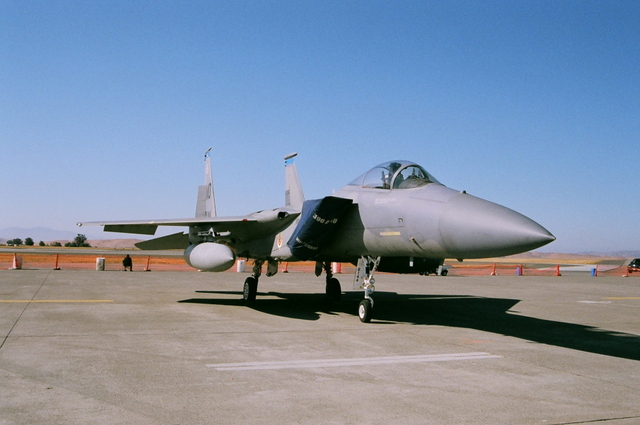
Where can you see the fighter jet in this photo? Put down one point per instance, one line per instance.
(395, 217)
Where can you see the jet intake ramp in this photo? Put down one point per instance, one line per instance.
(319, 220)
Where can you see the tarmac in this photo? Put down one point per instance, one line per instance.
(112, 347)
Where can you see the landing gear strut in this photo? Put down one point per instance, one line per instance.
(367, 266)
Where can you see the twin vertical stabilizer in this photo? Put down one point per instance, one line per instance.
(206, 205)
(293, 196)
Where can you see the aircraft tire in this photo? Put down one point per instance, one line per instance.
(364, 311)
(250, 289)
(333, 289)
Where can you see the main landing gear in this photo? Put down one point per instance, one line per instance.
(250, 289)
(332, 288)
(367, 266)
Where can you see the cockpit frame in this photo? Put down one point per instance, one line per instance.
(395, 175)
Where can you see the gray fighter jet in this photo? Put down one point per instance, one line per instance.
(396, 218)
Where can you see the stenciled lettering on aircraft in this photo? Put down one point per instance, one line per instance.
(306, 245)
(384, 201)
(321, 220)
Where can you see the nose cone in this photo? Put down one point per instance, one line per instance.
(471, 227)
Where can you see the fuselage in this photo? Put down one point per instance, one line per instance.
(407, 212)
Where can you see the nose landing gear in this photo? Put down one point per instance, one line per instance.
(367, 266)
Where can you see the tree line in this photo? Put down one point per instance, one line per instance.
(79, 241)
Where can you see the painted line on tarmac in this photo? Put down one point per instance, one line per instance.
(320, 363)
(56, 301)
(622, 298)
(595, 302)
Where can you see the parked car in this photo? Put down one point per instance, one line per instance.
(634, 266)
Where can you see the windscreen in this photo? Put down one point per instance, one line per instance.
(395, 175)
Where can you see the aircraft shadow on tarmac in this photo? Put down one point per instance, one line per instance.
(484, 314)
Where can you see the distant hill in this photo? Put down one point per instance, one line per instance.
(621, 254)
(113, 243)
(578, 255)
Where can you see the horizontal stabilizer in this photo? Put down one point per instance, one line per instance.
(174, 241)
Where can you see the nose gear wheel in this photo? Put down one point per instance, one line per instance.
(364, 311)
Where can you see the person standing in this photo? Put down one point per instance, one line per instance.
(127, 263)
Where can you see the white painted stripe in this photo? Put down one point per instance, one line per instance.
(365, 361)
(595, 302)
(55, 301)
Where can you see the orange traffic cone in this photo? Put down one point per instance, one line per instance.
(17, 262)
(558, 270)
(493, 270)
(286, 268)
(56, 267)
(146, 268)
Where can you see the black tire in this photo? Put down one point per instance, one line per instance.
(250, 289)
(364, 311)
(444, 272)
(333, 289)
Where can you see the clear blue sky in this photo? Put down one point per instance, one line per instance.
(106, 107)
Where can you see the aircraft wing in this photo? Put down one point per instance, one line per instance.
(241, 228)
(176, 241)
(149, 227)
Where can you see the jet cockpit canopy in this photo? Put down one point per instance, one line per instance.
(395, 175)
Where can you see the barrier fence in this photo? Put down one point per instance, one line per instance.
(496, 269)
(73, 261)
(113, 262)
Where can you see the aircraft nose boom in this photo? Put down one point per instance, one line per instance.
(472, 227)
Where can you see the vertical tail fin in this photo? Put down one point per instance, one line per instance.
(206, 205)
(293, 196)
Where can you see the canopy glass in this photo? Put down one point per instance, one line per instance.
(395, 175)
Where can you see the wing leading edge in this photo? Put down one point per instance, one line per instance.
(240, 228)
